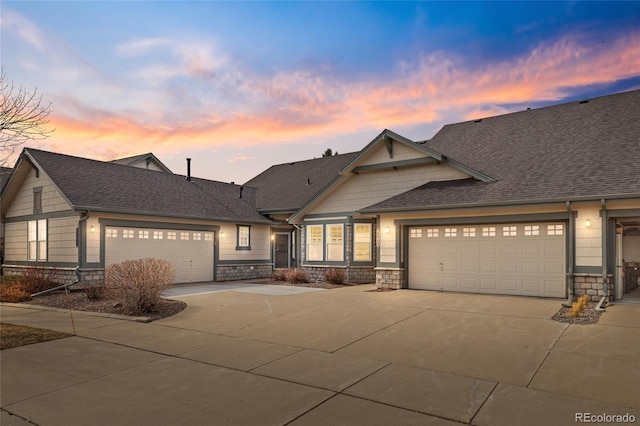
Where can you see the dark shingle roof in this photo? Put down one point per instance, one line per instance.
(569, 151)
(5, 172)
(105, 186)
(284, 187)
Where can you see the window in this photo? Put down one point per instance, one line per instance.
(37, 240)
(112, 232)
(488, 231)
(197, 236)
(509, 231)
(531, 230)
(362, 242)
(450, 232)
(468, 232)
(184, 236)
(314, 242)
(244, 237)
(415, 233)
(171, 235)
(37, 200)
(432, 232)
(143, 235)
(158, 235)
(127, 233)
(554, 229)
(335, 247)
(208, 236)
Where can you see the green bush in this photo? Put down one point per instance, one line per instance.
(139, 284)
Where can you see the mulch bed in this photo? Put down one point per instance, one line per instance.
(588, 315)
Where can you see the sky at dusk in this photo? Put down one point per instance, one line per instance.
(240, 86)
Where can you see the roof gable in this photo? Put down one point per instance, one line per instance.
(144, 161)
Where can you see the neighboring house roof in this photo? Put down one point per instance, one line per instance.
(5, 173)
(287, 187)
(143, 161)
(578, 150)
(105, 186)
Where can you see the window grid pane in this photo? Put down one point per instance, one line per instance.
(450, 232)
(362, 242)
(468, 232)
(489, 231)
(335, 250)
(314, 242)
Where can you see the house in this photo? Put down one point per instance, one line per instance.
(542, 202)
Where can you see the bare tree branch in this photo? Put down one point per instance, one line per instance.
(22, 117)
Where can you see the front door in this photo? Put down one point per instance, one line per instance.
(281, 250)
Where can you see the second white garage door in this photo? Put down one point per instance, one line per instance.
(190, 252)
(521, 259)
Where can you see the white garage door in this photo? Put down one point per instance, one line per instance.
(190, 252)
(523, 259)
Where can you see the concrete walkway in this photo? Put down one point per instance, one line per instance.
(344, 356)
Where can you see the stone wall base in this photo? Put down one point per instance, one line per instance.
(390, 278)
(243, 272)
(352, 275)
(592, 285)
(56, 275)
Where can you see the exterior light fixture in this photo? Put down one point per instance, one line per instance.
(221, 234)
(273, 237)
(587, 223)
(386, 229)
(92, 229)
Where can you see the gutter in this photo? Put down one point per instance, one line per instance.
(605, 283)
(570, 283)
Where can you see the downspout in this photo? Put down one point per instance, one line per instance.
(83, 218)
(570, 290)
(605, 283)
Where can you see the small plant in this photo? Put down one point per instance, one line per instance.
(139, 284)
(279, 275)
(12, 291)
(37, 278)
(94, 291)
(579, 305)
(297, 275)
(334, 276)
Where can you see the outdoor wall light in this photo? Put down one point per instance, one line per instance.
(386, 229)
(587, 223)
(222, 234)
(273, 237)
(92, 229)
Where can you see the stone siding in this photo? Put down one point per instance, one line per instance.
(57, 275)
(390, 278)
(592, 285)
(352, 275)
(243, 272)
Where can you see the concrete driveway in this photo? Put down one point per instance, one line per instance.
(344, 356)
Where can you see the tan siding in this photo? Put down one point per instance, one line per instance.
(62, 239)
(364, 189)
(52, 200)
(400, 152)
(260, 243)
(589, 240)
(15, 242)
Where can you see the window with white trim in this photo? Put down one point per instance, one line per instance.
(184, 236)
(158, 235)
(509, 231)
(314, 242)
(488, 231)
(143, 235)
(433, 232)
(468, 232)
(335, 242)
(531, 230)
(243, 237)
(415, 233)
(555, 229)
(112, 232)
(37, 240)
(172, 235)
(197, 236)
(127, 233)
(208, 236)
(362, 242)
(450, 232)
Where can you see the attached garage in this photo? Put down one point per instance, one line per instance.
(190, 252)
(520, 258)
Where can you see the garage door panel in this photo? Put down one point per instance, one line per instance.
(509, 259)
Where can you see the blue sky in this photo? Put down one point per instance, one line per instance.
(239, 86)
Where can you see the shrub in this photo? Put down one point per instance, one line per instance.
(94, 291)
(334, 276)
(279, 275)
(297, 275)
(579, 305)
(139, 284)
(37, 279)
(13, 292)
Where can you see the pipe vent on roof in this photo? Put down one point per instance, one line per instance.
(308, 181)
(189, 169)
(478, 120)
(241, 189)
(584, 102)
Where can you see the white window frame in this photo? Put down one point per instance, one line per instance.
(172, 235)
(510, 231)
(450, 232)
(143, 234)
(315, 243)
(197, 236)
(531, 230)
(335, 242)
(111, 232)
(243, 237)
(469, 232)
(415, 233)
(184, 236)
(362, 242)
(37, 240)
(557, 229)
(127, 233)
(488, 231)
(433, 232)
(158, 235)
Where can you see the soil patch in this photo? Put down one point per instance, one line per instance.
(78, 301)
(20, 335)
(588, 315)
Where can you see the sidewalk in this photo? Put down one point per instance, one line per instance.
(343, 356)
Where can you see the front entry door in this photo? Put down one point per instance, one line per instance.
(281, 250)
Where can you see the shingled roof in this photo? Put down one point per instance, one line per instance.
(287, 187)
(105, 186)
(578, 150)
